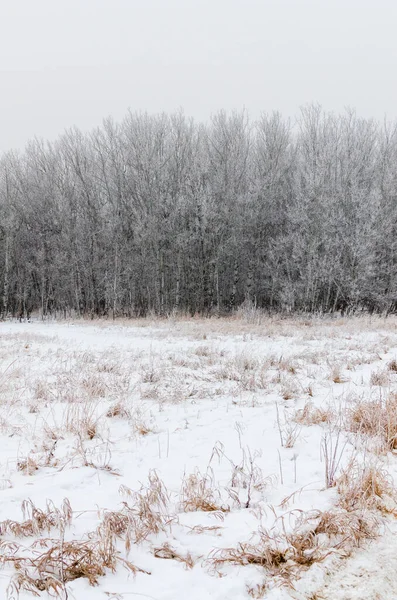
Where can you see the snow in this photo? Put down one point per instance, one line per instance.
(205, 394)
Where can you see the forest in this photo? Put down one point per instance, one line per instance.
(162, 214)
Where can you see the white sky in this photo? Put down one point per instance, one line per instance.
(73, 62)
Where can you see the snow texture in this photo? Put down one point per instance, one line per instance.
(201, 396)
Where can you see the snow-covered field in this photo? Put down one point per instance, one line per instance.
(218, 459)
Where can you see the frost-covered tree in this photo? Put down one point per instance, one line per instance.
(160, 213)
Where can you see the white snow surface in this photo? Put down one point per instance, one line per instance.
(201, 397)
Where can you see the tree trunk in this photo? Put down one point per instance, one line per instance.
(6, 284)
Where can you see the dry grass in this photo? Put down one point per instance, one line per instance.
(289, 388)
(355, 526)
(314, 536)
(36, 520)
(247, 371)
(367, 487)
(145, 513)
(313, 415)
(199, 529)
(150, 392)
(203, 350)
(106, 386)
(257, 591)
(152, 373)
(332, 449)
(247, 479)
(42, 456)
(336, 375)
(81, 420)
(119, 409)
(380, 378)
(28, 465)
(52, 563)
(268, 325)
(43, 391)
(280, 554)
(139, 424)
(48, 564)
(109, 366)
(376, 418)
(167, 552)
(269, 552)
(198, 493)
(289, 429)
(97, 457)
(287, 365)
(392, 365)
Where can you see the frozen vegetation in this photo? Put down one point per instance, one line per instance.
(238, 458)
(162, 214)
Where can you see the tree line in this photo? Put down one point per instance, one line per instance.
(161, 213)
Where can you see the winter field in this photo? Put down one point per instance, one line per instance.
(220, 459)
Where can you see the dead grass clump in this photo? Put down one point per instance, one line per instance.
(203, 351)
(49, 564)
(289, 430)
(313, 415)
(118, 409)
(36, 520)
(380, 378)
(142, 428)
(245, 362)
(376, 418)
(251, 381)
(332, 449)
(269, 552)
(367, 487)
(198, 493)
(250, 314)
(42, 391)
(150, 392)
(291, 434)
(287, 365)
(167, 552)
(67, 390)
(281, 554)
(246, 477)
(28, 465)
(184, 361)
(287, 393)
(199, 529)
(354, 526)
(314, 536)
(244, 369)
(392, 366)
(289, 385)
(94, 456)
(108, 366)
(85, 358)
(257, 591)
(336, 375)
(44, 456)
(82, 420)
(151, 374)
(140, 425)
(145, 513)
(227, 372)
(94, 387)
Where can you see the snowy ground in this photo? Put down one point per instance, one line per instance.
(192, 431)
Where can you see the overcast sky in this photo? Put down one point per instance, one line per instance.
(73, 62)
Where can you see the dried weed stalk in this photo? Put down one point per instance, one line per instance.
(199, 493)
